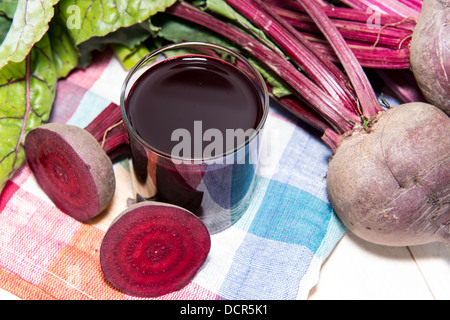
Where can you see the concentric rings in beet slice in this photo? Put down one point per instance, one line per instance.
(153, 248)
(71, 168)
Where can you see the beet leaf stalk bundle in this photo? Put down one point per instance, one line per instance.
(378, 39)
(389, 176)
(383, 36)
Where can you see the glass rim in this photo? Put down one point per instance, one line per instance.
(261, 85)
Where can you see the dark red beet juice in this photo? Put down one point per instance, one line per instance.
(177, 92)
(206, 98)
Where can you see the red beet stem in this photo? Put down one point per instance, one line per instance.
(368, 56)
(340, 118)
(107, 118)
(303, 113)
(356, 4)
(367, 98)
(322, 72)
(351, 14)
(392, 7)
(402, 84)
(381, 35)
(108, 130)
(416, 5)
(114, 139)
(331, 139)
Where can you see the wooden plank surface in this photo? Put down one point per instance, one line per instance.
(5, 295)
(357, 269)
(433, 261)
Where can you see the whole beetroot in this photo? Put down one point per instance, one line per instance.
(430, 53)
(390, 185)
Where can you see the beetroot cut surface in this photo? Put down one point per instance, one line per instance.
(71, 168)
(152, 249)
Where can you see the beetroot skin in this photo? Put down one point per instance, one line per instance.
(71, 168)
(430, 53)
(391, 186)
(152, 249)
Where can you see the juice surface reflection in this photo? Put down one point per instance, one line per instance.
(198, 95)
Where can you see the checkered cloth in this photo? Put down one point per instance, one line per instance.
(275, 251)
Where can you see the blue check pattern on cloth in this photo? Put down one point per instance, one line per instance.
(291, 229)
(276, 249)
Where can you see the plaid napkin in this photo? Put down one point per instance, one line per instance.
(275, 251)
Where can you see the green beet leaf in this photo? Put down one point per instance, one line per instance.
(129, 57)
(130, 37)
(27, 91)
(5, 24)
(65, 53)
(92, 18)
(30, 23)
(7, 9)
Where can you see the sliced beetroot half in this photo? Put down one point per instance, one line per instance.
(71, 168)
(153, 248)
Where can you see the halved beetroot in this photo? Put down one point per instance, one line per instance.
(71, 168)
(153, 248)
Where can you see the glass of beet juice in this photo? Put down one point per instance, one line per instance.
(194, 113)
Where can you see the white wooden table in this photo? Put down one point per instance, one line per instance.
(360, 270)
(357, 269)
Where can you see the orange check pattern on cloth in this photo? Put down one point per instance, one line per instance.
(274, 251)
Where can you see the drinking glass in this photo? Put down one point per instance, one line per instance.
(218, 189)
